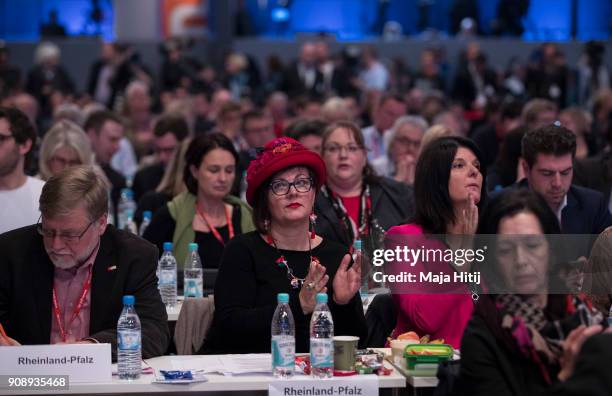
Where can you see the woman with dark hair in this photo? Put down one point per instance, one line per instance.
(355, 203)
(284, 255)
(449, 188)
(524, 336)
(507, 168)
(205, 213)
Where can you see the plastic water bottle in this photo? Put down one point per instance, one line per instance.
(146, 220)
(321, 339)
(129, 343)
(610, 317)
(130, 225)
(364, 289)
(126, 202)
(194, 281)
(167, 276)
(283, 339)
(111, 210)
(243, 186)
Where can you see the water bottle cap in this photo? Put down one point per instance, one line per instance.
(147, 214)
(357, 244)
(321, 298)
(128, 300)
(282, 298)
(193, 247)
(167, 246)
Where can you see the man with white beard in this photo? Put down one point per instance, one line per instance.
(18, 192)
(63, 279)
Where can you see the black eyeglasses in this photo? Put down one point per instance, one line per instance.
(282, 187)
(4, 138)
(67, 238)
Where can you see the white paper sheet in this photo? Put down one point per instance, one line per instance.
(227, 364)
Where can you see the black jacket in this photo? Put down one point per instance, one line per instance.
(392, 204)
(489, 368)
(586, 211)
(147, 179)
(294, 85)
(591, 373)
(26, 287)
(596, 173)
(246, 289)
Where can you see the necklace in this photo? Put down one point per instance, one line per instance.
(353, 231)
(281, 261)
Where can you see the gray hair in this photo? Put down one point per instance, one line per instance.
(64, 133)
(46, 51)
(415, 121)
(69, 111)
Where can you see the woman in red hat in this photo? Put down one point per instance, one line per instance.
(284, 255)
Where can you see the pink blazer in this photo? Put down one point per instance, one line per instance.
(439, 315)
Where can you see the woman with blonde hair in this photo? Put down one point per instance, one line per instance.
(63, 146)
(434, 132)
(170, 185)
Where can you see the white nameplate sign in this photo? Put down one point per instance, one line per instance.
(81, 362)
(355, 385)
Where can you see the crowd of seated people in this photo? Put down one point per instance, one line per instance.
(276, 175)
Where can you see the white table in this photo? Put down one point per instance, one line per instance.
(216, 383)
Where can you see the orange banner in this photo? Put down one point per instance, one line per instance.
(184, 18)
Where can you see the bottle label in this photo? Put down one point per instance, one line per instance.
(321, 352)
(193, 287)
(283, 351)
(167, 277)
(128, 340)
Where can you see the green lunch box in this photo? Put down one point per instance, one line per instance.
(417, 354)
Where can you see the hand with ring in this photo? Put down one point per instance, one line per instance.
(315, 282)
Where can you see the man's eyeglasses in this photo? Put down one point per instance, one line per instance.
(408, 142)
(336, 148)
(4, 138)
(282, 187)
(69, 238)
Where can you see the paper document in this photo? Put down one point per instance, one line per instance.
(227, 364)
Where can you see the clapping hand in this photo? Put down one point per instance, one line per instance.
(571, 348)
(469, 218)
(405, 168)
(347, 280)
(315, 282)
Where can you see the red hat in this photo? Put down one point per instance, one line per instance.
(279, 154)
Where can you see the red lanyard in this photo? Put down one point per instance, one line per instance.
(228, 218)
(77, 309)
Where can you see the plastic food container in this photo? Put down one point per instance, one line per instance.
(427, 356)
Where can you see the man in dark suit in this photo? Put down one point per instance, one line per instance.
(169, 130)
(303, 77)
(63, 279)
(105, 130)
(548, 154)
(596, 172)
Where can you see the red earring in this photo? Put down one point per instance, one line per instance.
(313, 218)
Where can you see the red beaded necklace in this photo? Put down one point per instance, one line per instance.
(282, 262)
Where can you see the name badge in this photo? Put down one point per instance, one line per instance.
(81, 362)
(356, 385)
